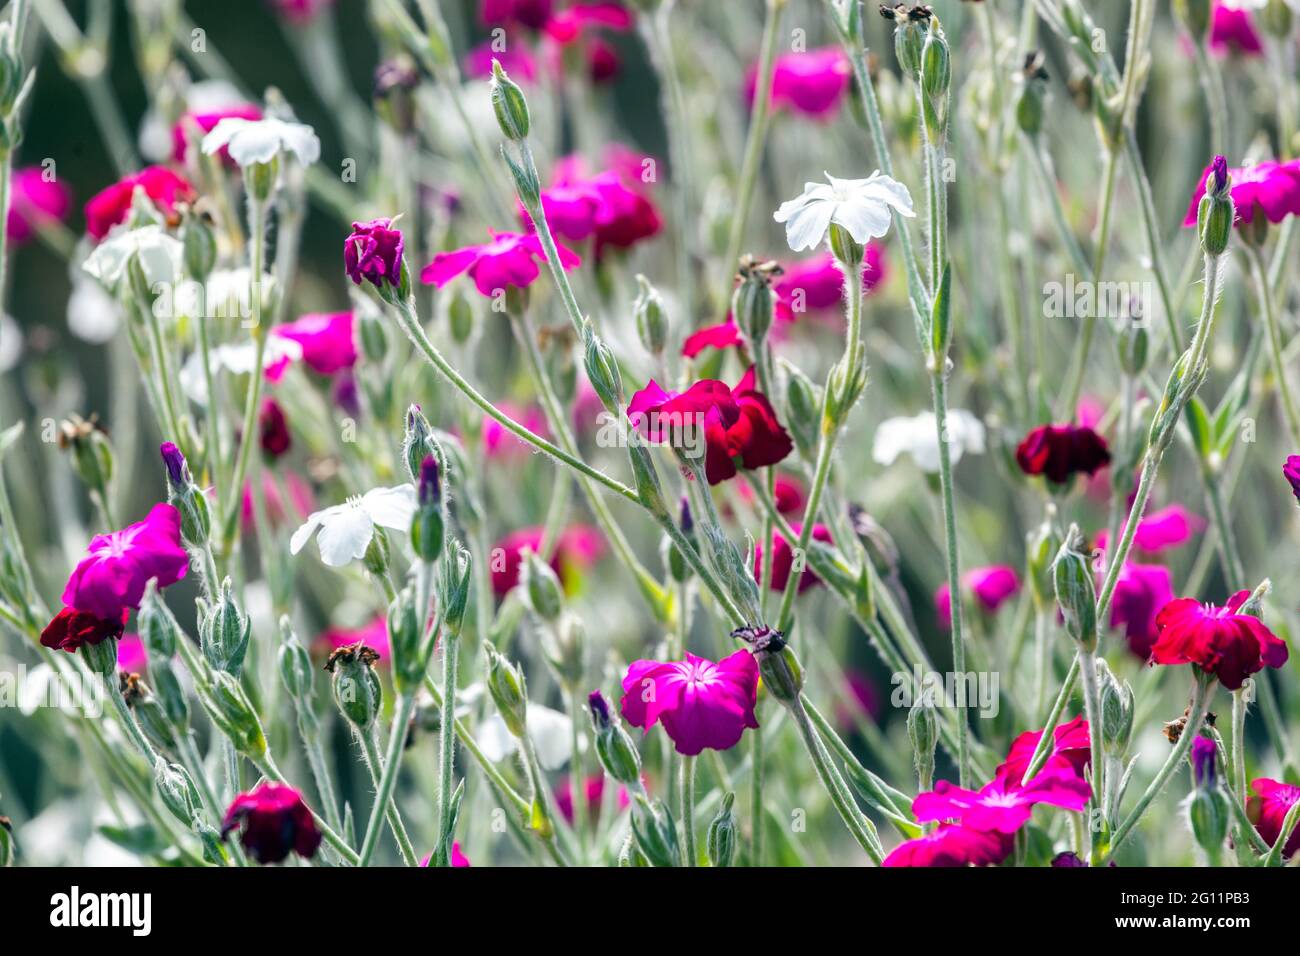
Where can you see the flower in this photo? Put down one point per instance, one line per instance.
(952, 845)
(501, 442)
(721, 336)
(327, 340)
(132, 655)
(1269, 807)
(72, 629)
(373, 253)
(111, 205)
(593, 793)
(1219, 640)
(861, 206)
(517, 61)
(578, 546)
(1062, 451)
(783, 559)
(1161, 530)
(37, 199)
(918, 437)
(298, 505)
(273, 429)
(1067, 859)
(457, 858)
(610, 206)
(998, 806)
(205, 122)
(300, 12)
(1269, 188)
(991, 586)
(1071, 750)
(510, 259)
(789, 494)
(566, 26)
(1204, 756)
(274, 820)
(1232, 30)
(1291, 472)
(254, 141)
(1141, 590)
(812, 82)
(699, 703)
(346, 529)
(529, 13)
(118, 565)
(158, 253)
(816, 284)
(738, 425)
(373, 635)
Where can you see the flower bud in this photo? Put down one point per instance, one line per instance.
(1132, 345)
(1195, 16)
(655, 832)
(176, 787)
(541, 590)
(92, 455)
(296, 672)
(617, 753)
(1116, 710)
(224, 631)
(678, 567)
(629, 855)
(101, 657)
(373, 334)
(228, 706)
(721, 841)
(404, 642)
(149, 713)
(651, 322)
(154, 621)
(1216, 212)
(199, 244)
(418, 443)
(1041, 546)
(1076, 593)
(7, 843)
(1033, 91)
(457, 565)
(186, 497)
(909, 36)
(1207, 814)
(509, 105)
(752, 303)
(777, 665)
(565, 645)
(1205, 766)
(805, 411)
(936, 72)
(923, 732)
(377, 552)
(1277, 18)
(602, 370)
(509, 693)
(426, 524)
(170, 693)
(259, 178)
(393, 93)
(460, 316)
(357, 691)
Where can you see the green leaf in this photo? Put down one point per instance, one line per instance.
(1198, 420)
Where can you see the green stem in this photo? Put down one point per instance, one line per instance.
(688, 810)
(447, 738)
(1265, 293)
(384, 776)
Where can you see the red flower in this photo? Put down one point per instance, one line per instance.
(205, 122)
(1071, 750)
(275, 821)
(273, 429)
(1220, 641)
(110, 206)
(721, 336)
(72, 629)
(783, 559)
(579, 546)
(1269, 808)
(1062, 451)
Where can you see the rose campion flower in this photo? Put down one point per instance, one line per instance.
(811, 82)
(593, 792)
(1218, 640)
(1071, 750)
(578, 547)
(35, 200)
(700, 704)
(373, 635)
(500, 442)
(861, 206)
(516, 60)
(327, 339)
(532, 14)
(273, 429)
(118, 565)
(347, 529)
(1062, 451)
(252, 142)
(952, 845)
(132, 656)
(816, 284)
(110, 206)
(1232, 30)
(72, 629)
(458, 859)
(373, 253)
(1291, 472)
(1161, 530)
(1268, 807)
(272, 819)
(300, 12)
(998, 806)
(1140, 592)
(789, 494)
(1270, 189)
(607, 207)
(279, 511)
(918, 437)
(510, 259)
(783, 559)
(567, 26)
(991, 586)
(724, 335)
(206, 122)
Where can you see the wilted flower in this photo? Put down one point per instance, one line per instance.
(699, 703)
(1219, 640)
(72, 629)
(861, 206)
(274, 820)
(373, 253)
(347, 529)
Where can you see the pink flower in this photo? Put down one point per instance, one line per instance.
(612, 206)
(1071, 750)
(529, 13)
(593, 793)
(132, 656)
(500, 442)
(205, 122)
(35, 200)
(374, 635)
(275, 820)
(373, 253)
(300, 11)
(952, 845)
(510, 259)
(1218, 640)
(699, 703)
(998, 806)
(118, 565)
(991, 586)
(1291, 472)
(1161, 530)
(1269, 807)
(721, 336)
(328, 340)
(816, 284)
(110, 206)
(458, 859)
(1270, 188)
(516, 60)
(1233, 31)
(812, 82)
(1140, 592)
(578, 547)
(783, 559)
(301, 501)
(567, 26)
(789, 494)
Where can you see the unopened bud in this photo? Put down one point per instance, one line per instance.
(721, 842)
(404, 642)
(777, 665)
(232, 713)
(752, 302)
(617, 753)
(509, 105)
(509, 692)
(1116, 710)
(1076, 592)
(923, 732)
(157, 626)
(651, 321)
(655, 832)
(1216, 212)
(541, 587)
(296, 671)
(177, 790)
(224, 632)
(426, 523)
(602, 370)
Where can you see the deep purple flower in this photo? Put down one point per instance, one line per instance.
(699, 703)
(1068, 860)
(275, 820)
(599, 708)
(118, 565)
(1204, 754)
(430, 491)
(1062, 451)
(273, 429)
(178, 473)
(373, 252)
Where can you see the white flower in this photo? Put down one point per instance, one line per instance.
(237, 358)
(549, 730)
(11, 343)
(160, 256)
(918, 437)
(346, 529)
(93, 315)
(861, 206)
(259, 141)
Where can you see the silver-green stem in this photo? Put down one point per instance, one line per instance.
(384, 776)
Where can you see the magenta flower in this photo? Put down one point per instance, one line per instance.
(1204, 756)
(812, 82)
(510, 259)
(373, 253)
(1140, 592)
(300, 11)
(952, 845)
(1160, 530)
(699, 703)
(206, 122)
(132, 656)
(118, 565)
(528, 13)
(458, 859)
(1071, 750)
(35, 200)
(327, 339)
(816, 284)
(721, 336)
(783, 559)
(373, 634)
(1269, 807)
(111, 205)
(500, 442)
(612, 206)
(579, 546)
(567, 26)
(1291, 472)
(274, 820)
(1232, 30)
(1268, 188)
(990, 586)
(516, 60)
(1218, 640)
(1000, 806)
